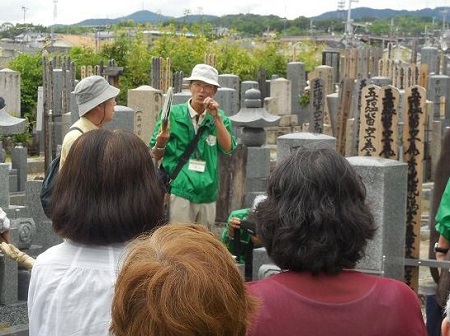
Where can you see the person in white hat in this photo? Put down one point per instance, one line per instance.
(95, 98)
(194, 190)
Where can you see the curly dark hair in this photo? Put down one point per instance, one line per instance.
(315, 217)
(107, 191)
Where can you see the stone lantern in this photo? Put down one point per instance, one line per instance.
(253, 118)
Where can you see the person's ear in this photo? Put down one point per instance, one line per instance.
(445, 327)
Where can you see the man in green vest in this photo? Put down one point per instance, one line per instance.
(194, 190)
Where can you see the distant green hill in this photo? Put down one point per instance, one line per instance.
(145, 16)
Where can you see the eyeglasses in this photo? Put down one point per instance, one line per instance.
(204, 86)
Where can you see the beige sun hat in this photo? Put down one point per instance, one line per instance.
(205, 73)
(91, 92)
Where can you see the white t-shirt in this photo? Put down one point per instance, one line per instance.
(71, 290)
(4, 221)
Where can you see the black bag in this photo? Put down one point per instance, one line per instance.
(49, 181)
(48, 184)
(164, 176)
(164, 179)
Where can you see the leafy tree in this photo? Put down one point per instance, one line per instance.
(232, 58)
(184, 52)
(308, 52)
(120, 49)
(137, 69)
(84, 56)
(270, 58)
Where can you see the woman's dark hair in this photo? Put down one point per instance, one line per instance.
(107, 191)
(315, 217)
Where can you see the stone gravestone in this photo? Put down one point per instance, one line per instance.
(228, 100)
(280, 89)
(229, 81)
(10, 91)
(291, 142)
(147, 102)
(430, 56)
(438, 91)
(385, 182)
(333, 59)
(228, 95)
(296, 74)
(19, 156)
(124, 119)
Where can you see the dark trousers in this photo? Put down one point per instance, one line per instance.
(434, 316)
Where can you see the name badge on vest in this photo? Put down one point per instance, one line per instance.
(197, 165)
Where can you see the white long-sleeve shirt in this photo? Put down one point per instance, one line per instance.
(4, 221)
(71, 290)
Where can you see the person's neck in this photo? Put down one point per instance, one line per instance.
(197, 107)
(95, 119)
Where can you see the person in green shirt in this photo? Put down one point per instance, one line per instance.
(195, 189)
(248, 239)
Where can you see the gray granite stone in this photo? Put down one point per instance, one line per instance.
(430, 56)
(228, 100)
(19, 161)
(291, 142)
(260, 257)
(296, 74)
(4, 185)
(124, 119)
(385, 182)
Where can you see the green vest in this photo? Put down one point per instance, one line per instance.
(197, 187)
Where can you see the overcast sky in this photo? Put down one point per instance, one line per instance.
(73, 11)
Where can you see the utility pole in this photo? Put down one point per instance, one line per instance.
(444, 14)
(55, 5)
(24, 14)
(349, 24)
(25, 29)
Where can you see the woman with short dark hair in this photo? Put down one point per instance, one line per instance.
(106, 194)
(315, 225)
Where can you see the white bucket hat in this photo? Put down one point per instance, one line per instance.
(205, 73)
(91, 92)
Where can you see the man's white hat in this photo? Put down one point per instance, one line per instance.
(91, 92)
(205, 73)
